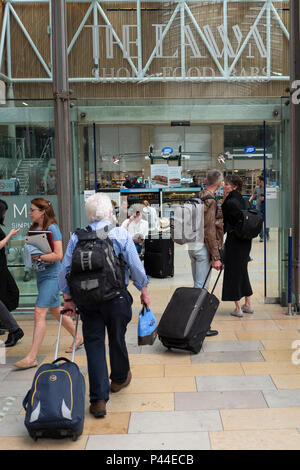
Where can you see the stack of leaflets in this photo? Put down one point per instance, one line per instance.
(41, 239)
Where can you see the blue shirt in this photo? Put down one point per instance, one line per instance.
(51, 269)
(122, 243)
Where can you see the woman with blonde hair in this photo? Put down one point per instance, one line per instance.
(48, 265)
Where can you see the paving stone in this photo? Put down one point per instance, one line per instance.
(134, 348)
(232, 346)
(16, 388)
(174, 421)
(13, 425)
(219, 400)
(228, 356)
(235, 382)
(159, 348)
(282, 439)
(159, 441)
(11, 405)
(282, 398)
(21, 375)
(264, 418)
(4, 371)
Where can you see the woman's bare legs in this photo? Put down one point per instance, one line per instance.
(67, 323)
(39, 332)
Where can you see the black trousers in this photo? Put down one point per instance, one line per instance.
(7, 320)
(114, 316)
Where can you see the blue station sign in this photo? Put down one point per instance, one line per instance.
(250, 149)
(167, 151)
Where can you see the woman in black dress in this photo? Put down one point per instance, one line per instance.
(9, 292)
(236, 282)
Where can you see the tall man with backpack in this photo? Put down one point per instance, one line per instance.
(94, 279)
(207, 254)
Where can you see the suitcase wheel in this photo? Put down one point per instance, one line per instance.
(74, 437)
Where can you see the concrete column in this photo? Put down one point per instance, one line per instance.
(217, 143)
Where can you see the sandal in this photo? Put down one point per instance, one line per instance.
(79, 345)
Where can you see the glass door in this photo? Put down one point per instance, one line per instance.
(270, 207)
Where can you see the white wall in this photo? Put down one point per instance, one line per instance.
(192, 139)
(116, 140)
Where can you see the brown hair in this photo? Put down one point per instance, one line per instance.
(235, 180)
(49, 217)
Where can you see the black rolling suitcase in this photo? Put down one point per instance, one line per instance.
(159, 257)
(187, 318)
(55, 404)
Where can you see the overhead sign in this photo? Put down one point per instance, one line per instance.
(250, 149)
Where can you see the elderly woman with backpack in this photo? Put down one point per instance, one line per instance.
(236, 283)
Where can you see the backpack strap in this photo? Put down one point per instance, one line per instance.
(205, 198)
(88, 233)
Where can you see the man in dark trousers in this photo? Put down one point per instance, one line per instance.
(113, 315)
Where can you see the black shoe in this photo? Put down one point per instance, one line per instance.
(2, 332)
(13, 338)
(212, 332)
(26, 277)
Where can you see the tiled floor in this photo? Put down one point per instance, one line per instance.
(242, 391)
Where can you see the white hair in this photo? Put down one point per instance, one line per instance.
(214, 177)
(98, 207)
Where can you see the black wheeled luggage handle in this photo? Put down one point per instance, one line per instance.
(62, 312)
(217, 280)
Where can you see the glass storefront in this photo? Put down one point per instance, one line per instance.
(103, 154)
(27, 171)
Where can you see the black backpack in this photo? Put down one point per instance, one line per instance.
(250, 224)
(97, 274)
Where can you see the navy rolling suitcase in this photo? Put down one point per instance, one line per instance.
(55, 404)
(159, 257)
(187, 318)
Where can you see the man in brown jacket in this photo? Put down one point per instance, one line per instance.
(207, 254)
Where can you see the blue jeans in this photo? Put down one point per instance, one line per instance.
(261, 235)
(200, 261)
(113, 315)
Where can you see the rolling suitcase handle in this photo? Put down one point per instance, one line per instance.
(59, 332)
(217, 280)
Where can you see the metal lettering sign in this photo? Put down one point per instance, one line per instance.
(231, 50)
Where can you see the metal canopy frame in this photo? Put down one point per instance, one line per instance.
(139, 72)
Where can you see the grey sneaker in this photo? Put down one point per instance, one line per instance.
(237, 313)
(246, 309)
